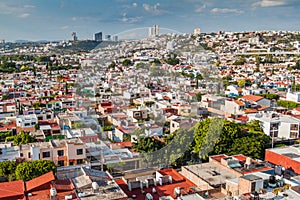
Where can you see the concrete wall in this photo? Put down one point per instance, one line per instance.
(194, 178)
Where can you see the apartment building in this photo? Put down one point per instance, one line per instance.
(61, 152)
(278, 125)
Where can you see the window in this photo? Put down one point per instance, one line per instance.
(21, 154)
(61, 163)
(29, 155)
(33, 123)
(48, 116)
(46, 154)
(253, 185)
(71, 163)
(79, 151)
(293, 135)
(60, 152)
(79, 161)
(274, 130)
(294, 127)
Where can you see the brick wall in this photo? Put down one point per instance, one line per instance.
(244, 186)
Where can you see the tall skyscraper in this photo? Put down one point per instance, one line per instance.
(153, 31)
(150, 32)
(115, 38)
(74, 37)
(156, 30)
(107, 37)
(98, 37)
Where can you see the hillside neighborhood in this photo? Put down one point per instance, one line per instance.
(174, 116)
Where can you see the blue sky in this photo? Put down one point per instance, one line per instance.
(57, 19)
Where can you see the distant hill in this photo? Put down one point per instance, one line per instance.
(80, 45)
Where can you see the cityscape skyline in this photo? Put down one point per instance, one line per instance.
(56, 20)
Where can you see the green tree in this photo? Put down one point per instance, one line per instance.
(148, 145)
(241, 83)
(29, 170)
(112, 65)
(288, 104)
(240, 61)
(126, 62)
(43, 59)
(78, 125)
(233, 138)
(23, 138)
(156, 61)
(59, 77)
(4, 135)
(172, 59)
(271, 96)
(7, 169)
(198, 97)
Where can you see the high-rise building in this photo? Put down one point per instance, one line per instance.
(98, 37)
(153, 31)
(2, 41)
(115, 38)
(197, 31)
(150, 32)
(156, 30)
(107, 37)
(74, 37)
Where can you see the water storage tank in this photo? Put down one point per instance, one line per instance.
(53, 192)
(95, 186)
(248, 161)
(149, 196)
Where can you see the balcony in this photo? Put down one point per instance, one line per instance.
(61, 158)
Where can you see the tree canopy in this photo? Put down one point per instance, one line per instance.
(288, 104)
(22, 138)
(233, 139)
(147, 145)
(29, 170)
(7, 169)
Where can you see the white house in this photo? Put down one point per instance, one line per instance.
(293, 96)
(277, 125)
(26, 121)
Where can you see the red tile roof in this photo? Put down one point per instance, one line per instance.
(218, 157)
(64, 185)
(41, 180)
(11, 190)
(164, 190)
(122, 144)
(240, 103)
(252, 98)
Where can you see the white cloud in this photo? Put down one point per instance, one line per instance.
(153, 9)
(64, 27)
(200, 8)
(129, 19)
(270, 3)
(147, 7)
(12, 9)
(226, 10)
(29, 6)
(24, 15)
(134, 5)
